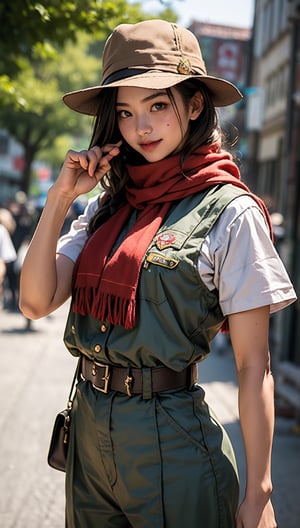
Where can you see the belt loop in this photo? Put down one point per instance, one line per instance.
(147, 383)
(128, 382)
(194, 375)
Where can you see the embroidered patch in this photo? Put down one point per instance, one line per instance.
(160, 260)
(165, 240)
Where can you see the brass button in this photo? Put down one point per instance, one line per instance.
(97, 348)
(73, 329)
(103, 328)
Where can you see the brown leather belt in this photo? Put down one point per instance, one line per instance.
(130, 381)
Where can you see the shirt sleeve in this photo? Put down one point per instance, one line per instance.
(7, 249)
(239, 259)
(72, 242)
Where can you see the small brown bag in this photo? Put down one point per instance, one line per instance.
(58, 449)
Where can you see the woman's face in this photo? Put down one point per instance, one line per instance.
(149, 123)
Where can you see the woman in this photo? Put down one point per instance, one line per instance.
(176, 248)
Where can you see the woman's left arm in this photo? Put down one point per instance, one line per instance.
(249, 336)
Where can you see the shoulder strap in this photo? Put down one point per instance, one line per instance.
(73, 385)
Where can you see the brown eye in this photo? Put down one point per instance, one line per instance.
(158, 106)
(123, 114)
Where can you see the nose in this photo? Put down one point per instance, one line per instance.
(143, 126)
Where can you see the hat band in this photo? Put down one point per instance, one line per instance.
(123, 74)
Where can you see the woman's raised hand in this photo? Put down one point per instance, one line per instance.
(81, 171)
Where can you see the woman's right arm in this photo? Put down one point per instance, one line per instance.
(45, 281)
(46, 278)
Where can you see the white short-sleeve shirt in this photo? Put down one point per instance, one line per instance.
(237, 257)
(7, 250)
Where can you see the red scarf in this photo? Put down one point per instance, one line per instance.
(105, 286)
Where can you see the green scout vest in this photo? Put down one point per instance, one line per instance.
(177, 316)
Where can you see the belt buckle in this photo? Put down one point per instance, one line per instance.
(105, 378)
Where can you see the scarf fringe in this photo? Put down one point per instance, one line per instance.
(105, 306)
(225, 327)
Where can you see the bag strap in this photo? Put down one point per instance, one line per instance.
(73, 385)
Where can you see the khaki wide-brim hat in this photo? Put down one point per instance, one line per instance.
(151, 54)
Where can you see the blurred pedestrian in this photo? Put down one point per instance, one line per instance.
(176, 248)
(24, 223)
(7, 253)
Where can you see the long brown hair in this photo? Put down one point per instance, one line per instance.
(204, 130)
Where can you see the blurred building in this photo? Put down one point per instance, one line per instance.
(273, 125)
(226, 51)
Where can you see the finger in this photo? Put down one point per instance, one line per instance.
(109, 146)
(99, 157)
(104, 163)
(79, 158)
(94, 157)
(112, 153)
(89, 160)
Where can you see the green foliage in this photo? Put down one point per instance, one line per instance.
(9, 93)
(33, 31)
(48, 48)
(42, 116)
(26, 25)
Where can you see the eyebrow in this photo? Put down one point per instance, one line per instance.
(146, 99)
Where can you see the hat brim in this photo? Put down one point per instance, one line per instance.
(86, 101)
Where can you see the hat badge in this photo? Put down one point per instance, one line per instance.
(184, 66)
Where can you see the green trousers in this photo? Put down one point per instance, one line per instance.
(165, 462)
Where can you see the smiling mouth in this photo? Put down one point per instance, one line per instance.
(150, 145)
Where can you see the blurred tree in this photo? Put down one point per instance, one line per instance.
(30, 28)
(44, 117)
(42, 55)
